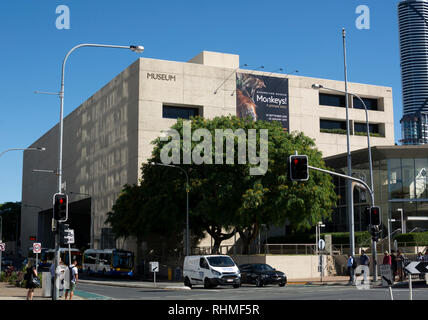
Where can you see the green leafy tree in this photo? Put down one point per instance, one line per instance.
(226, 198)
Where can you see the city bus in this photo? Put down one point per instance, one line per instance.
(47, 257)
(108, 262)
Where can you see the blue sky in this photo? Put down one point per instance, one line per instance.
(302, 35)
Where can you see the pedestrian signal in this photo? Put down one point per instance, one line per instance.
(60, 207)
(298, 168)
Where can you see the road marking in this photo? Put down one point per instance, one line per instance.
(90, 295)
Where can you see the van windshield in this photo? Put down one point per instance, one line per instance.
(220, 262)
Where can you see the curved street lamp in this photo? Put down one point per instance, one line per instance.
(137, 49)
(23, 149)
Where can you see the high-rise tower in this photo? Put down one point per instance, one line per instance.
(413, 27)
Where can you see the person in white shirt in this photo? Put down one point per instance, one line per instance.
(74, 276)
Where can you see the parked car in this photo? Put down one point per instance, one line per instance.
(261, 274)
(210, 271)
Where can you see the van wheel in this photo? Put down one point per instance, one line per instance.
(207, 284)
(187, 283)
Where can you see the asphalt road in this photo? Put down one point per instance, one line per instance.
(246, 292)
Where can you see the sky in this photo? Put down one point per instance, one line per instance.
(287, 34)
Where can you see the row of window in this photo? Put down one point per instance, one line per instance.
(333, 100)
(339, 127)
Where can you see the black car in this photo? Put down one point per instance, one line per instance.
(261, 274)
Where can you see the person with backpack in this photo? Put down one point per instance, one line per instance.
(74, 276)
(352, 264)
(29, 277)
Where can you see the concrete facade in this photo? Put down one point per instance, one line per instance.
(108, 137)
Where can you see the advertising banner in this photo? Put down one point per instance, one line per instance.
(262, 98)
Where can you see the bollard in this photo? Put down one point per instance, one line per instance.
(169, 274)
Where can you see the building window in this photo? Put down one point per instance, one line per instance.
(332, 100)
(333, 126)
(174, 112)
(360, 129)
(371, 104)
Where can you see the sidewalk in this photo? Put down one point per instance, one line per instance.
(10, 292)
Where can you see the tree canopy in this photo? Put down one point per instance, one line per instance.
(229, 197)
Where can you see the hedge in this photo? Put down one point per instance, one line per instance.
(336, 237)
(417, 239)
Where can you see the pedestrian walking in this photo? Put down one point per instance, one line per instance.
(393, 265)
(364, 259)
(400, 266)
(420, 256)
(74, 276)
(29, 276)
(351, 267)
(387, 258)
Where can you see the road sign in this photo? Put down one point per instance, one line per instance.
(69, 236)
(321, 244)
(154, 266)
(386, 275)
(417, 267)
(2, 246)
(37, 247)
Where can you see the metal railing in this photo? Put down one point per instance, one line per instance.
(300, 249)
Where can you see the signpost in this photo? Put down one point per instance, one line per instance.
(386, 275)
(154, 267)
(69, 239)
(415, 267)
(2, 248)
(37, 248)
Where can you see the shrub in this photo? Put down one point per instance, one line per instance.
(415, 239)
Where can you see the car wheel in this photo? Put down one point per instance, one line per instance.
(259, 282)
(236, 286)
(207, 284)
(88, 271)
(282, 284)
(187, 283)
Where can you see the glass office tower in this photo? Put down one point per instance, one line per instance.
(413, 30)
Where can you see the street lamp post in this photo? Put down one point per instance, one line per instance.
(318, 86)
(23, 149)
(137, 49)
(187, 201)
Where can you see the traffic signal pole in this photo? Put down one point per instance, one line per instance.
(374, 251)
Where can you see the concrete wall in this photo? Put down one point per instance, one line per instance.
(100, 154)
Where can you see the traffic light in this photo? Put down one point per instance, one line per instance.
(375, 216)
(60, 207)
(298, 166)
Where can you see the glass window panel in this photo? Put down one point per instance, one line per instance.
(173, 112)
(395, 181)
(371, 104)
(421, 190)
(332, 100)
(408, 176)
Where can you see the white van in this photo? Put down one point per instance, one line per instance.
(210, 271)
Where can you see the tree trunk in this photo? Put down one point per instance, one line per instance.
(216, 233)
(247, 236)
